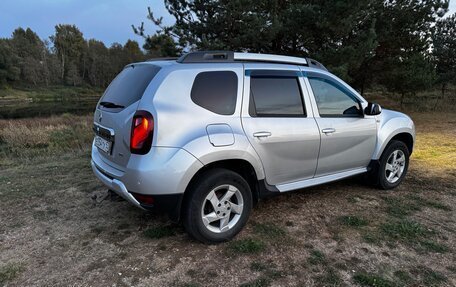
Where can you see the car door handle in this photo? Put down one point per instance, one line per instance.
(328, 130)
(262, 134)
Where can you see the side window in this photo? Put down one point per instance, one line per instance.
(216, 91)
(333, 101)
(275, 96)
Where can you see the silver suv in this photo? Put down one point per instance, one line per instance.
(206, 136)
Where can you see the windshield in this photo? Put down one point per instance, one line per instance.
(128, 87)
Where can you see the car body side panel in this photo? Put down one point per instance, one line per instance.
(390, 124)
(180, 123)
(290, 152)
(352, 142)
(164, 170)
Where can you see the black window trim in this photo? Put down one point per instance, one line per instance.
(290, 74)
(335, 83)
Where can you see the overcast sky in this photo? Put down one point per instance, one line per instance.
(106, 20)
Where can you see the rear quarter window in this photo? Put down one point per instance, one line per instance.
(216, 91)
(129, 86)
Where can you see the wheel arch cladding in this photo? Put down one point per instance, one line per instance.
(406, 138)
(239, 166)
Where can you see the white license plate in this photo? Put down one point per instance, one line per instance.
(103, 144)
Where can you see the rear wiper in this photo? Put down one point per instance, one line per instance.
(110, 105)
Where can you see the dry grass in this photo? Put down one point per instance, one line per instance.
(33, 137)
(57, 221)
(435, 147)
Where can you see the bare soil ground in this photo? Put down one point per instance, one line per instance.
(57, 228)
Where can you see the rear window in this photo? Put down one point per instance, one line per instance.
(129, 86)
(216, 91)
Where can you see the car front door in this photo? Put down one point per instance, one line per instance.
(348, 137)
(279, 123)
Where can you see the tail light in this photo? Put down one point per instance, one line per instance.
(142, 130)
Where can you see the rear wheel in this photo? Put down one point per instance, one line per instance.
(393, 165)
(219, 205)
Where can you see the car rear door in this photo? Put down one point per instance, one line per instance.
(279, 123)
(348, 137)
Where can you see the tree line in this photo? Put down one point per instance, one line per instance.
(65, 58)
(402, 45)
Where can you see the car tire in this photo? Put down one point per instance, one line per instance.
(218, 206)
(393, 165)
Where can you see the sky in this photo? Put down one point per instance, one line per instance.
(106, 20)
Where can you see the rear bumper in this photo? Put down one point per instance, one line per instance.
(169, 203)
(163, 174)
(115, 185)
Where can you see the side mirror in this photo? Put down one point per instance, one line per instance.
(372, 109)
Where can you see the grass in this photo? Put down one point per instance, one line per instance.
(258, 266)
(403, 277)
(405, 230)
(398, 207)
(160, 232)
(10, 271)
(429, 277)
(317, 257)
(246, 246)
(259, 282)
(373, 280)
(353, 221)
(269, 230)
(268, 274)
(47, 169)
(329, 278)
(435, 150)
(430, 203)
(432, 246)
(29, 138)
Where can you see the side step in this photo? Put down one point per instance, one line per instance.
(319, 180)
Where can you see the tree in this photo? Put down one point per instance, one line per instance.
(444, 51)
(160, 44)
(361, 41)
(403, 30)
(98, 63)
(69, 44)
(9, 69)
(409, 75)
(339, 33)
(132, 52)
(31, 53)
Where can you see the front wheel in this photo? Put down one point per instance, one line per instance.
(219, 206)
(393, 165)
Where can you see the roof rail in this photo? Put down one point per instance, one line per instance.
(252, 57)
(315, 64)
(207, 57)
(230, 57)
(162, 59)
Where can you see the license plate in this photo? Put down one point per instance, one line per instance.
(103, 144)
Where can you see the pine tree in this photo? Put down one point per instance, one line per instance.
(444, 51)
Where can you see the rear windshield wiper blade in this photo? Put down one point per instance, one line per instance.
(110, 105)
